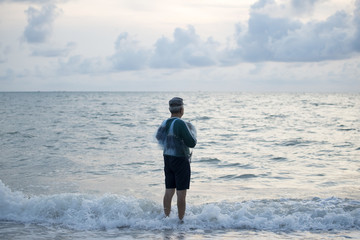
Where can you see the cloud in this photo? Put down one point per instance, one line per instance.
(263, 32)
(303, 6)
(4, 52)
(32, 1)
(260, 4)
(128, 55)
(265, 37)
(285, 8)
(79, 65)
(185, 50)
(9, 74)
(53, 51)
(268, 36)
(40, 22)
(356, 42)
(285, 39)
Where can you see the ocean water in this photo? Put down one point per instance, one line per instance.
(267, 166)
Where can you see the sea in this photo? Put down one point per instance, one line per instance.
(85, 165)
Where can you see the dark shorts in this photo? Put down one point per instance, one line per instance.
(177, 172)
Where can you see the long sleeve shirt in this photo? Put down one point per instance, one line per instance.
(176, 138)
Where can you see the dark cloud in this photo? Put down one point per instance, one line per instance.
(269, 38)
(40, 22)
(185, 50)
(128, 55)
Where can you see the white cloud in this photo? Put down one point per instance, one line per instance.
(10, 75)
(53, 51)
(356, 41)
(40, 22)
(32, 1)
(283, 39)
(265, 38)
(80, 65)
(7, 75)
(128, 55)
(304, 6)
(185, 50)
(4, 52)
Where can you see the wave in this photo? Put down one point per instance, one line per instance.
(297, 141)
(203, 118)
(110, 211)
(209, 160)
(243, 176)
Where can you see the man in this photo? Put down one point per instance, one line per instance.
(176, 138)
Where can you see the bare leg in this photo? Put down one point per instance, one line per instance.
(169, 193)
(181, 203)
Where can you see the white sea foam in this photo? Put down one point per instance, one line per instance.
(86, 212)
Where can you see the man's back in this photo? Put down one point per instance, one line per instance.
(176, 138)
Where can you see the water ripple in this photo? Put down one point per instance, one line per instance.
(209, 160)
(235, 176)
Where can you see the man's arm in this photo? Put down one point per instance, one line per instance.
(185, 134)
(161, 133)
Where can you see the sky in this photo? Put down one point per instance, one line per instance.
(173, 45)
